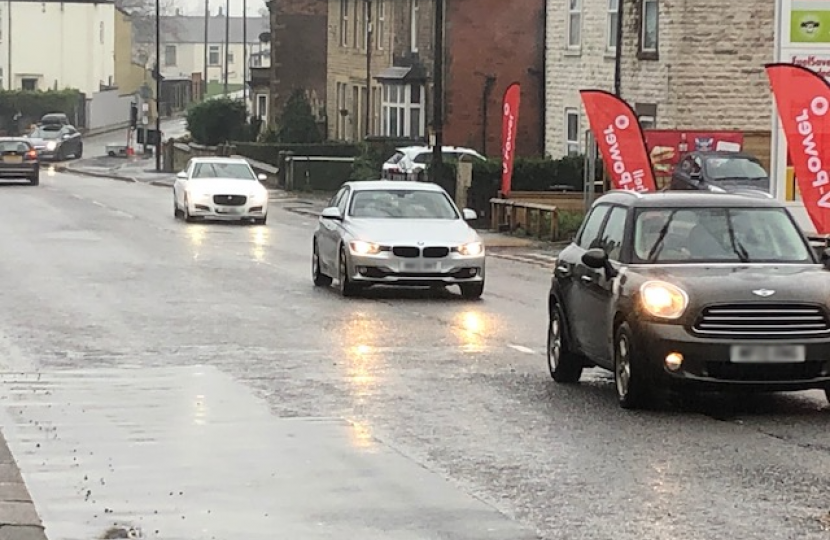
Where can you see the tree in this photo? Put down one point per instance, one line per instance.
(218, 120)
(297, 124)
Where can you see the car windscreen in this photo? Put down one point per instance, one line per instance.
(402, 204)
(18, 147)
(233, 171)
(718, 235)
(46, 132)
(731, 168)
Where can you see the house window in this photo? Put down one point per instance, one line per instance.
(572, 131)
(364, 27)
(574, 24)
(356, 22)
(354, 113)
(413, 25)
(649, 26)
(611, 31)
(340, 117)
(213, 55)
(646, 114)
(376, 105)
(344, 23)
(262, 106)
(402, 111)
(28, 83)
(230, 56)
(380, 27)
(170, 55)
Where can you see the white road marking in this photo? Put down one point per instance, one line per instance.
(96, 203)
(522, 348)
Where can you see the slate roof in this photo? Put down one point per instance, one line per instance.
(191, 29)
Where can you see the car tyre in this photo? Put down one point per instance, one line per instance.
(186, 212)
(472, 291)
(320, 279)
(34, 180)
(261, 221)
(630, 382)
(827, 393)
(565, 366)
(347, 287)
(80, 153)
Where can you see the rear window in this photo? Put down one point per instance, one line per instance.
(14, 146)
(449, 157)
(395, 159)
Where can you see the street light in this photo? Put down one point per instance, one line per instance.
(158, 85)
(438, 94)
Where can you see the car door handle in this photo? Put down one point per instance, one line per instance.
(563, 270)
(587, 279)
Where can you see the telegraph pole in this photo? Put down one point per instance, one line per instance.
(369, 33)
(438, 93)
(207, 46)
(245, 54)
(158, 85)
(227, 42)
(618, 52)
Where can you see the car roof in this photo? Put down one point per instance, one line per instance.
(14, 139)
(722, 154)
(218, 159)
(445, 148)
(691, 199)
(364, 185)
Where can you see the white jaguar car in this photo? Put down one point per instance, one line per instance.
(220, 188)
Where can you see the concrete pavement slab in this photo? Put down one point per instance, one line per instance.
(22, 532)
(223, 466)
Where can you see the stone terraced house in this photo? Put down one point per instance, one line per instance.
(686, 64)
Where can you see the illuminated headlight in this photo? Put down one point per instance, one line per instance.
(664, 300)
(472, 249)
(359, 247)
(51, 145)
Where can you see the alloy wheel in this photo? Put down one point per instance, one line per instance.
(622, 367)
(554, 342)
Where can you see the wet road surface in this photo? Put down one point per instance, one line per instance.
(109, 305)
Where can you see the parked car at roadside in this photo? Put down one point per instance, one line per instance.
(692, 292)
(399, 234)
(55, 118)
(719, 171)
(18, 160)
(408, 162)
(57, 142)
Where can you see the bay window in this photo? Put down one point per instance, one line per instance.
(402, 112)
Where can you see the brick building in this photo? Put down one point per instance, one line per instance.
(489, 44)
(299, 30)
(697, 64)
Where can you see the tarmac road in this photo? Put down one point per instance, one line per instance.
(188, 381)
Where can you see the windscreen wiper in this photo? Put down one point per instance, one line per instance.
(658, 244)
(737, 247)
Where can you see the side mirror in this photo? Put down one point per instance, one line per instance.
(182, 175)
(469, 214)
(261, 177)
(332, 212)
(595, 258)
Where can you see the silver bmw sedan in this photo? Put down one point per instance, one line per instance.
(397, 233)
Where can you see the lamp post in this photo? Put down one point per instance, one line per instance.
(438, 94)
(207, 46)
(245, 54)
(227, 43)
(618, 51)
(369, 32)
(158, 85)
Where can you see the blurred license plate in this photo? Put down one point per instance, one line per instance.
(422, 266)
(229, 210)
(767, 354)
(12, 159)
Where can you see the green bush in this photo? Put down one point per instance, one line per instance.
(32, 105)
(216, 121)
(326, 176)
(297, 123)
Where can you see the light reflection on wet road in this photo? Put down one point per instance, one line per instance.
(457, 386)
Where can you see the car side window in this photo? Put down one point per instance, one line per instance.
(344, 199)
(614, 232)
(686, 166)
(589, 236)
(336, 199)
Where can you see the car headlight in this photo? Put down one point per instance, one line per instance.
(472, 249)
(664, 300)
(359, 247)
(258, 196)
(198, 196)
(51, 145)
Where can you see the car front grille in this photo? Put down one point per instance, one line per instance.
(436, 252)
(762, 321)
(230, 200)
(407, 252)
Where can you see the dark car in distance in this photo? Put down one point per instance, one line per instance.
(684, 291)
(57, 141)
(18, 160)
(719, 171)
